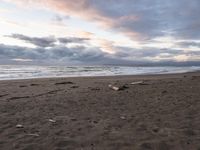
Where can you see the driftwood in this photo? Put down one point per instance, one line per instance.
(113, 87)
(117, 88)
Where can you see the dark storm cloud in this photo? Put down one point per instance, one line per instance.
(188, 44)
(58, 53)
(80, 54)
(48, 41)
(142, 54)
(179, 18)
(12, 52)
(142, 19)
(145, 52)
(72, 40)
(139, 19)
(41, 42)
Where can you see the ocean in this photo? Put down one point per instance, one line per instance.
(8, 72)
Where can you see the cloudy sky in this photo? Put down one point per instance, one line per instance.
(99, 31)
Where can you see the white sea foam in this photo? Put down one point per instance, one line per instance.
(8, 72)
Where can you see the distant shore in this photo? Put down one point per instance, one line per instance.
(85, 113)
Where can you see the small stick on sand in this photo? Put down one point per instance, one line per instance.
(137, 82)
(19, 126)
(51, 120)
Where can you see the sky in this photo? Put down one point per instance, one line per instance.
(127, 32)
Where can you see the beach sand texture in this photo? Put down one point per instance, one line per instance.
(161, 113)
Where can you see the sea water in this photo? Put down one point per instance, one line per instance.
(8, 72)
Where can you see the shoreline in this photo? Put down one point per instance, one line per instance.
(103, 76)
(39, 72)
(85, 113)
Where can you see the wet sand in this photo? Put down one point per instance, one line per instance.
(162, 113)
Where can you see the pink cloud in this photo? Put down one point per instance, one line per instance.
(84, 9)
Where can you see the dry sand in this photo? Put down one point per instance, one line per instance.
(163, 113)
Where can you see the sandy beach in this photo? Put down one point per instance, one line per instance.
(161, 113)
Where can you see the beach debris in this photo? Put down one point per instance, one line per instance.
(123, 117)
(19, 126)
(51, 120)
(33, 134)
(95, 122)
(74, 87)
(164, 92)
(22, 86)
(60, 83)
(117, 88)
(73, 119)
(137, 82)
(33, 84)
(114, 87)
(155, 130)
